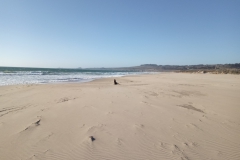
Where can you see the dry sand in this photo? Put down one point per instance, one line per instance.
(162, 116)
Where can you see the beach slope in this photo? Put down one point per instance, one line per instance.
(173, 116)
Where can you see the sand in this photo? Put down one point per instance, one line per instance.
(156, 117)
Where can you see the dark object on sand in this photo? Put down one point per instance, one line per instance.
(92, 138)
(115, 82)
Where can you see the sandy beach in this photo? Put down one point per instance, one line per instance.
(165, 116)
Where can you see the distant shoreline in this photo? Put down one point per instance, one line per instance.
(200, 68)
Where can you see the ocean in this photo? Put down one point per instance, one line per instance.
(20, 75)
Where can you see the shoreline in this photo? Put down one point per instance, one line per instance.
(149, 73)
(82, 81)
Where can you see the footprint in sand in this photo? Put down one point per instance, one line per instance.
(35, 124)
(119, 141)
(63, 100)
(174, 150)
(189, 106)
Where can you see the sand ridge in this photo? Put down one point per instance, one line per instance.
(159, 116)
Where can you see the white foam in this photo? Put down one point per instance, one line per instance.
(38, 77)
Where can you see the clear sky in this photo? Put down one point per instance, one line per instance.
(118, 33)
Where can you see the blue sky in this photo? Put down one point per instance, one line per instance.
(117, 33)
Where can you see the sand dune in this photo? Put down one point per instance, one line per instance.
(173, 116)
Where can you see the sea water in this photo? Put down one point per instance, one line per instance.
(16, 75)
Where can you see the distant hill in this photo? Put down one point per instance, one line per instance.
(199, 68)
(213, 68)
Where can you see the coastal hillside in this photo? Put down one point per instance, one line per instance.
(200, 68)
